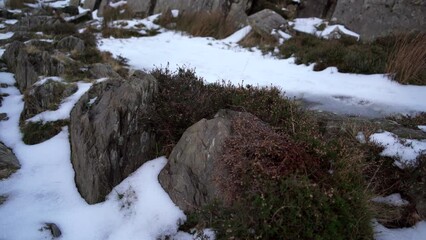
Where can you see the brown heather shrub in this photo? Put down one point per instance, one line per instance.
(201, 24)
(257, 150)
(407, 62)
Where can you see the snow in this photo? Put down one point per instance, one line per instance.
(405, 151)
(361, 138)
(355, 94)
(238, 35)
(44, 80)
(422, 127)
(11, 21)
(43, 191)
(175, 13)
(64, 110)
(418, 232)
(117, 4)
(309, 25)
(55, 4)
(393, 200)
(328, 30)
(6, 35)
(7, 78)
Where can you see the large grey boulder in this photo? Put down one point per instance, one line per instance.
(189, 176)
(74, 3)
(90, 4)
(265, 21)
(46, 96)
(374, 18)
(35, 23)
(141, 7)
(17, 60)
(8, 162)
(110, 133)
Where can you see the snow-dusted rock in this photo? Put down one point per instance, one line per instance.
(46, 96)
(265, 21)
(110, 137)
(16, 58)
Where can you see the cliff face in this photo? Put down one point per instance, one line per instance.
(374, 18)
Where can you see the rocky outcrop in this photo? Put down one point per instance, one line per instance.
(71, 43)
(374, 18)
(17, 60)
(110, 133)
(188, 177)
(90, 4)
(8, 162)
(29, 64)
(34, 23)
(265, 21)
(46, 96)
(74, 3)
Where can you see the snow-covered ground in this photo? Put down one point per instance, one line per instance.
(43, 190)
(215, 60)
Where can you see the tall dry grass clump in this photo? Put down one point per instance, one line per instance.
(201, 24)
(16, 4)
(407, 62)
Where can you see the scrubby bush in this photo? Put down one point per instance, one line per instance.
(286, 181)
(119, 33)
(176, 110)
(346, 54)
(37, 132)
(60, 29)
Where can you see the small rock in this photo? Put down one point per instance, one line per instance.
(8, 162)
(3, 116)
(54, 229)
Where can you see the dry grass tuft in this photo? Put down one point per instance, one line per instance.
(201, 24)
(407, 62)
(16, 4)
(254, 39)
